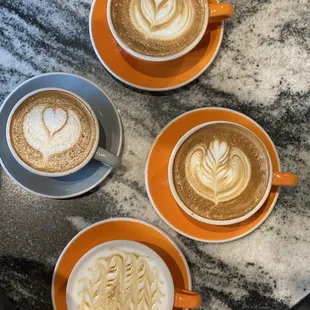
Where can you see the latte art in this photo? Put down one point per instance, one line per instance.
(162, 19)
(123, 280)
(221, 171)
(158, 27)
(119, 275)
(51, 131)
(220, 174)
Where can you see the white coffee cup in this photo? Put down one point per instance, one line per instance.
(173, 297)
(275, 178)
(96, 153)
(213, 13)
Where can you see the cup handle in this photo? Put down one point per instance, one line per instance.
(220, 11)
(284, 179)
(107, 158)
(186, 299)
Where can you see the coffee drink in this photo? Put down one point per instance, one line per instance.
(52, 131)
(221, 171)
(119, 277)
(158, 27)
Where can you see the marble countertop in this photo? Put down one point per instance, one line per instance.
(262, 70)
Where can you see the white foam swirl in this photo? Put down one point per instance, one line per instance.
(51, 131)
(162, 19)
(220, 174)
(122, 281)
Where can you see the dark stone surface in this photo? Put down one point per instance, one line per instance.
(262, 70)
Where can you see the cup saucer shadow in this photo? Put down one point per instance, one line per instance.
(91, 167)
(228, 228)
(102, 137)
(172, 265)
(175, 67)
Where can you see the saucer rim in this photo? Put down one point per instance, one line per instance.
(177, 229)
(118, 151)
(115, 219)
(142, 87)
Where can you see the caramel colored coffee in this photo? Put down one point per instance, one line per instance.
(52, 131)
(158, 27)
(221, 171)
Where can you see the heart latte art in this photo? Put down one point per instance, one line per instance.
(162, 19)
(220, 173)
(52, 131)
(158, 27)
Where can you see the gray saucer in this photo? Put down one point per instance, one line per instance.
(94, 172)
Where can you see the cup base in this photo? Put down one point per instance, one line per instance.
(80, 182)
(118, 229)
(158, 189)
(149, 75)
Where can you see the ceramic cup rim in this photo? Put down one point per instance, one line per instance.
(154, 58)
(51, 174)
(141, 247)
(196, 216)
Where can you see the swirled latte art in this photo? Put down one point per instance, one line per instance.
(52, 131)
(122, 281)
(221, 171)
(158, 27)
(220, 174)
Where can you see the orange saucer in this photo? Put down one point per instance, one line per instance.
(147, 75)
(118, 229)
(156, 177)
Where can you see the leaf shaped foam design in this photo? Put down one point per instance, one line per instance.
(122, 281)
(163, 19)
(220, 174)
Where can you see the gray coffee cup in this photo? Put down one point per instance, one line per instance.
(98, 153)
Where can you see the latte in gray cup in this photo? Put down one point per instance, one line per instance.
(53, 132)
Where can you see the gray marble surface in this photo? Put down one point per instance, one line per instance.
(262, 70)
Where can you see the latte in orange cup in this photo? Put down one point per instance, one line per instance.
(220, 173)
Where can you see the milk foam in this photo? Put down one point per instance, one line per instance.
(51, 131)
(219, 174)
(119, 277)
(161, 19)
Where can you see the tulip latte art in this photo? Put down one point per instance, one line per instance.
(221, 172)
(158, 27)
(52, 131)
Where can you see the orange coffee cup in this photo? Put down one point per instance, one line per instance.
(213, 13)
(123, 262)
(274, 177)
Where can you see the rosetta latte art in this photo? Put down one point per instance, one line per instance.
(122, 281)
(162, 19)
(220, 174)
(51, 131)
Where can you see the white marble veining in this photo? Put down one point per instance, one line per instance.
(262, 70)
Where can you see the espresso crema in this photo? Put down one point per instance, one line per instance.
(52, 131)
(221, 171)
(158, 27)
